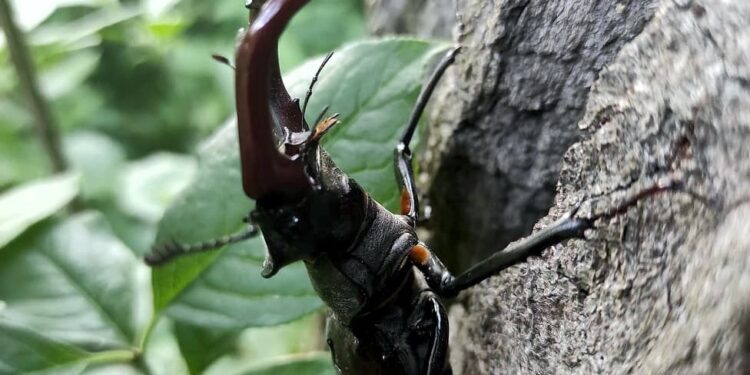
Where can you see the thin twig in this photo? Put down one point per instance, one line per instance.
(45, 124)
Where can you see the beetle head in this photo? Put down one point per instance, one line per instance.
(304, 203)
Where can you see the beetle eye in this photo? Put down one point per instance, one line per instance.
(294, 221)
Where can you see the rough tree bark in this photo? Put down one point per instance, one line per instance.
(599, 99)
(426, 18)
(519, 88)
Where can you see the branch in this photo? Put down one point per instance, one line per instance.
(45, 124)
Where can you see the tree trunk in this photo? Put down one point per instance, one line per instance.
(600, 100)
(425, 18)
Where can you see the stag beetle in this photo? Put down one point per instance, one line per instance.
(381, 284)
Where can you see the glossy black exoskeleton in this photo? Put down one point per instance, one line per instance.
(381, 284)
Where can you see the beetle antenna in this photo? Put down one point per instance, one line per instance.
(162, 254)
(223, 60)
(312, 84)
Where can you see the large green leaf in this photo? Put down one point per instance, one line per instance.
(29, 14)
(30, 203)
(249, 347)
(22, 351)
(69, 74)
(147, 186)
(157, 8)
(21, 158)
(98, 159)
(373, 85)
(86, 27)
(202, 346)
(320, 28)
(307, 364)
(76, 283)
(161, 353)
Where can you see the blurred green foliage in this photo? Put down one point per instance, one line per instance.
(140, 73)
(135, 93)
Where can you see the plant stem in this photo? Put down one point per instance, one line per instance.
(44, 121)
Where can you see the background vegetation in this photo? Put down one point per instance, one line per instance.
(134, 94)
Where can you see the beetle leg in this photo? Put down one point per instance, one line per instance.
(442, 281)
(429, 317)
(164, 253)
(570, 226)
(402, 154)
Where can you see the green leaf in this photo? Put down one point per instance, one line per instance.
(166, 30)
(22, 157)
(202, 346)
(29, 14)
(149, 185)
(77, 283)
(30, 203)
(258, 345)
(229, 293)
(98, 158)
(110, 368)
(68, 74)
(161, 353)
(136, 234)
(75, 368)
(24, 350)
(309, 364)
(322, 27)
(157, 8)
(373, 85)
(85, 27)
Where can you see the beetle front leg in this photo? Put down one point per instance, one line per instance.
(402, 154)
(442, 281)
(162, 254)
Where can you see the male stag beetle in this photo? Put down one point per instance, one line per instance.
(381, 284)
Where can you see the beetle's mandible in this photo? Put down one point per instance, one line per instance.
(381, 284)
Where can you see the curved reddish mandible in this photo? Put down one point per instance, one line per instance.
(264, 107)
